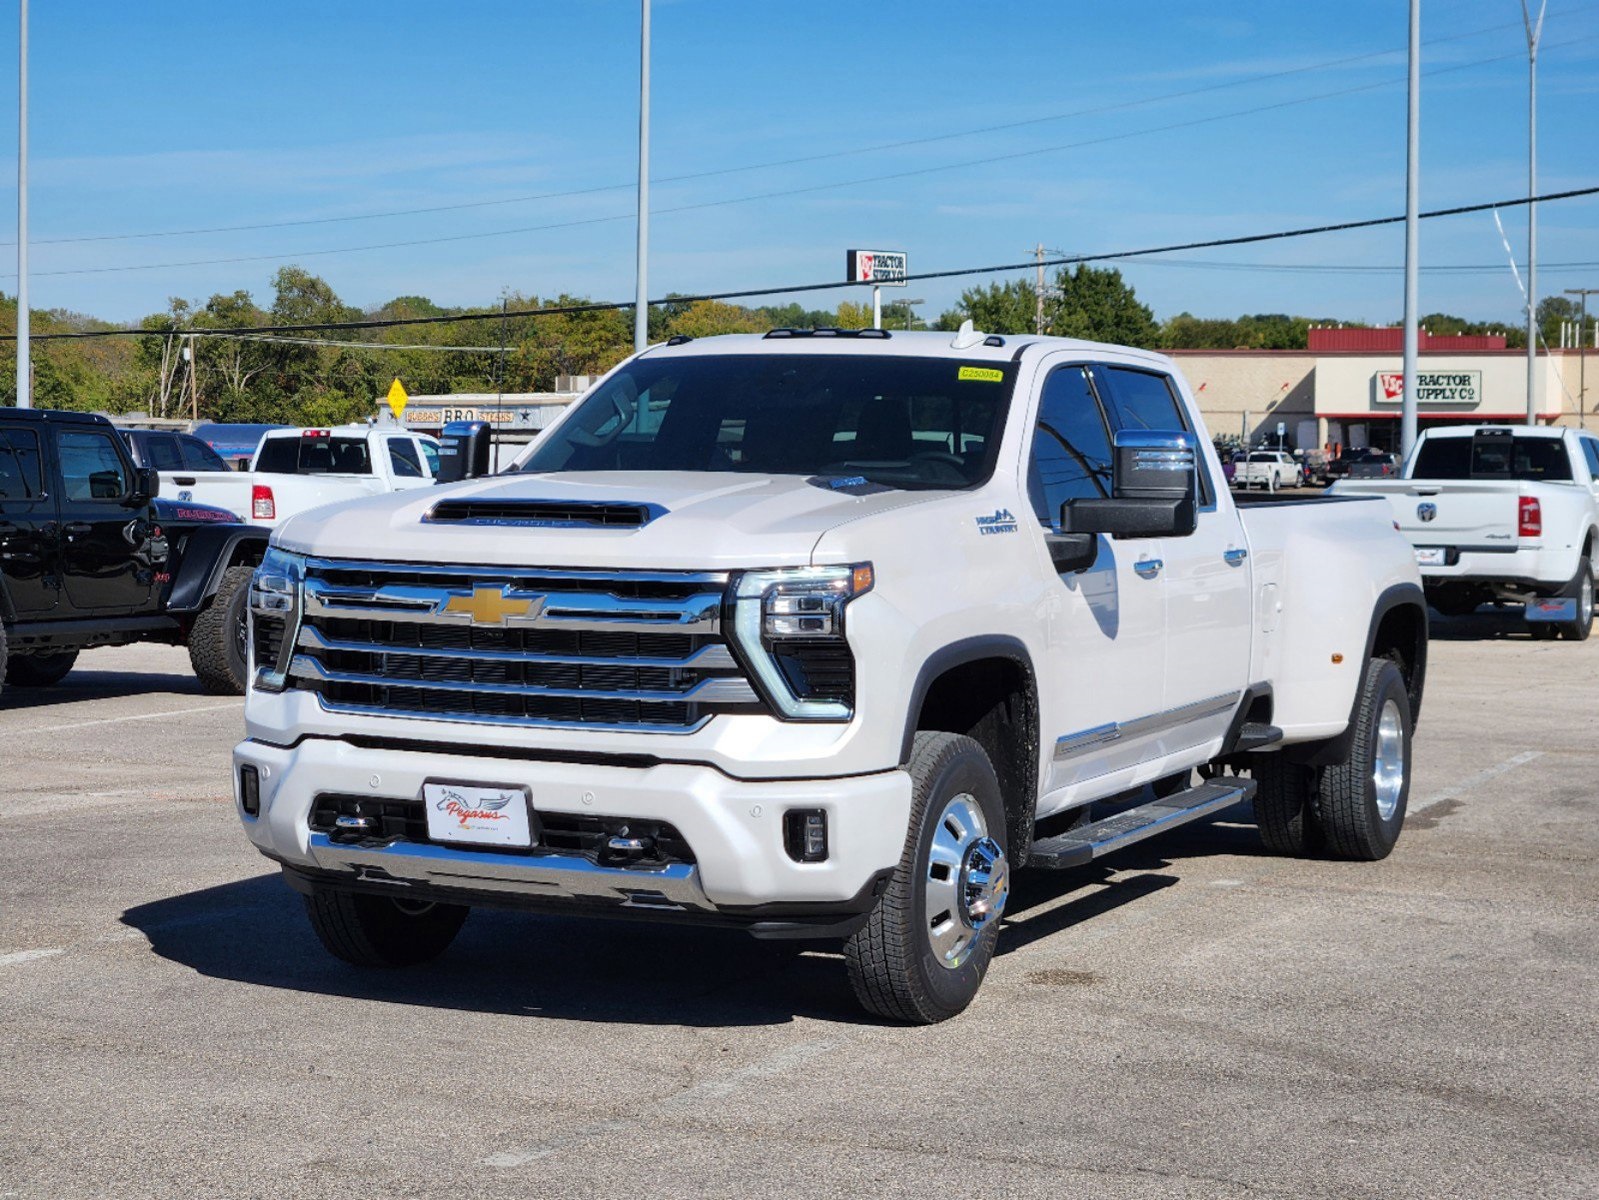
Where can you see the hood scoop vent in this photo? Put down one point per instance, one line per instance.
(545, 514)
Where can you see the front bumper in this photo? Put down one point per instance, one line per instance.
(741, 870)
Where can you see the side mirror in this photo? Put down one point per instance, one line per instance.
(1154, 491)
(1072, 552)
(146, 486)
(463, 451)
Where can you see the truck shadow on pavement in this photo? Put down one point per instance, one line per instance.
(1484, 625)
(100, 685)
(588, 969)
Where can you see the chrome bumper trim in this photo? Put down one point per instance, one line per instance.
(557, 876)
(1087, 740)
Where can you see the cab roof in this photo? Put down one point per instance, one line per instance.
(966, 345)
(59, 415)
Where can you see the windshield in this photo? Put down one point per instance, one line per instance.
(1493, 456)
(901, 422)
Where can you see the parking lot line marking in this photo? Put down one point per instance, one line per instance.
(1472, 782)
(174, 712)
(22, 956)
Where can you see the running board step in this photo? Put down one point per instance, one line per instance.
(1255, 736)
(1088, 842)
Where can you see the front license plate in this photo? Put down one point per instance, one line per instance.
(1429, 556)
(479, 816)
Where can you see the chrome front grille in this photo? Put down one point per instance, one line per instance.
(522, 646)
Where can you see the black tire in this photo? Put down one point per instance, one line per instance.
(1543, 631)
(1580, 589)
(1349, 810)
(1285, 805)
(894, 967)
(39, 670)
(217, 646)
(380, 931)
(2, 660)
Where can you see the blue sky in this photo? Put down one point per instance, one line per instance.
(254, 113)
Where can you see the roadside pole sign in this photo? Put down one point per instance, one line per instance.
(398, 398)
(886, 268)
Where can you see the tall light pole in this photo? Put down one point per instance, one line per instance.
(1534, 32)
(24, 367)
(1407, 420)
(641, 306)
(1582, 354)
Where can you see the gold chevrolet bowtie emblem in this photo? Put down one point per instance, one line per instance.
(491, 606)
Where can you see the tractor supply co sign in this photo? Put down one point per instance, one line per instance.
(1441, 389)
(887, 268)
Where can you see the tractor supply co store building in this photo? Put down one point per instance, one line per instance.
(1346, 389)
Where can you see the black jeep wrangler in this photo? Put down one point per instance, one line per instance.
(89, 556)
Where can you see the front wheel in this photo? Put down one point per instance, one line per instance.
(382, 931)
(39, 670)
(923, 952)
(218, 648)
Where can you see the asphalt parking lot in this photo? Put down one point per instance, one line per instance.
(1194, 1019)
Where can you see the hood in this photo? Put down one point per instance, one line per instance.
(694, 520)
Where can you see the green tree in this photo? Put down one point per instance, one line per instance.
(1088, 302)
(707, 318)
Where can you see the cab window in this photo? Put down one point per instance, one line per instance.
(20, 477)
(197, 456)
(161, 452)
(403, 458)
(91, 469)
(430, 452)
(1148, 400)
(1071, 458)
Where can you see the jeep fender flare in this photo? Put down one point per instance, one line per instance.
(207, 552)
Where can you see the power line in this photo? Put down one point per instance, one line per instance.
(745, 293)
(1353, 269)
(229, 335)
(800, 160)
(787, 192)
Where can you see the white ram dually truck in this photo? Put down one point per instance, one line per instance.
(296, 470)
(1501, 513)
(821, 634)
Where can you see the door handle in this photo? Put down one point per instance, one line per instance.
(1148, 567)
(1235, 555)
(74, 528)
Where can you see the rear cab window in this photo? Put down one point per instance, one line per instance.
(324, 455)
(91, 468)
(1494, 455)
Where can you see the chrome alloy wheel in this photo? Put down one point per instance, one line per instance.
(1388, 766)
(1585, 600)
(967, 884)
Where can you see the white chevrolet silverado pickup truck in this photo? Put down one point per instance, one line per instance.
(295, 470)
(1501, 513)
(821, 634)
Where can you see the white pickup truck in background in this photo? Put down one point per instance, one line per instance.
(1503, 513)
(295, 470)
(821, 634)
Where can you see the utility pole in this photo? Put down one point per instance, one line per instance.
(1534, 32)
(1038, 291)
(641, 304)
(1582, 353)
(24, 365)
(1407, 423)
(877, 306)
(194, 387)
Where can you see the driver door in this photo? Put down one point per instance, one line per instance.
(103, 540)
(1106, 625)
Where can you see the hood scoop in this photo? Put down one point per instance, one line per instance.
(545, 514)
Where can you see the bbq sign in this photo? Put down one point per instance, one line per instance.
(884, 267)
(1442, 389)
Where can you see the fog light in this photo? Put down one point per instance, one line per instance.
(805, 834)
(250, 791)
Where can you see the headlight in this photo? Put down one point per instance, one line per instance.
(274, 616)
(790, 626)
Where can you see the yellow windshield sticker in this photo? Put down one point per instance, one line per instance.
(982, 374)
